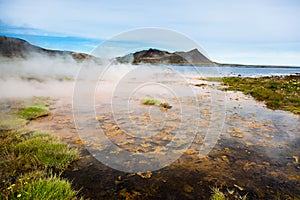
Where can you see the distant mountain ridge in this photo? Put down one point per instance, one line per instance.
(15, 47)
(155, 56)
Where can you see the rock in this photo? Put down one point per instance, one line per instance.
(144, 175)
(224, 158)
(187, 188)
(190, 151)
(165, 105)
(155, 56)
(296, 159)
(99, 118)
(15, 47)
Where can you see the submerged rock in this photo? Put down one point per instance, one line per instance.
(165, 105)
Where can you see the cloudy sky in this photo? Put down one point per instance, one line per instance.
(233, 31)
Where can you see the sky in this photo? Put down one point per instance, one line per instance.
(231, 31)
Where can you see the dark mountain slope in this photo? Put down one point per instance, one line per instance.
(14, 47)
(155, 56)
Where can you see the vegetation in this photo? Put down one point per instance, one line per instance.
(277, 92)
(161, 104)
(45, 150)
(217, 194)
(8, 123)
(151, 102)
(33, 112)
(52, 187)
(30, 159)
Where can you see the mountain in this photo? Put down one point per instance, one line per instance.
(195, 57)
(155, 56)
(15, 47)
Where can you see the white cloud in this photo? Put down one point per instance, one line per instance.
(207, 22)
(232, 20)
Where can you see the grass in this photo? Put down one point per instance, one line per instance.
(10, 122)
(151, 102)
(277, 92)
(33, 112)
(52, 187)
(46, 150)
(217, 194)
(163, 105)
(32, 154)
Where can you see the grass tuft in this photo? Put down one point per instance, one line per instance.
(46, 150)
(33, 112)
(151, 102)
(9, 123)
(277, 92)
(52, 187)
(163, 105)
(217, 194)
(28, 157)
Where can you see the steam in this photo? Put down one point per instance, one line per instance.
(43, 67)
(41, 75)
(56, 76)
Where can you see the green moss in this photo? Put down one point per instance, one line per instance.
(52, 187)
(24, 151)
(151, 102)
(10, 122)
(277, 92)
(33, 112)
(163, 105)
(46, 150)
(217, 194)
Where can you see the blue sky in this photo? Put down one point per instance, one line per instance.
(231, 31)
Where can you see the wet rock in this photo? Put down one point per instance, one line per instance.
(129, 195)
(99, 118)
(119, 180)
(144, 175)
(237, 135)
(224, 158)
(248, 144)
(190, 151)
(248, 165)
(296, 159)
(187, 188)
(200, 84)
(165, 105)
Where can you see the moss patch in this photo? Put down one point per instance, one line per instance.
(161, 104)
(151, 102)
(33, 112)
(217, 194)
(31, 154)
(277, 92)
(10, 122)
(52, 187)
(46, 150)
